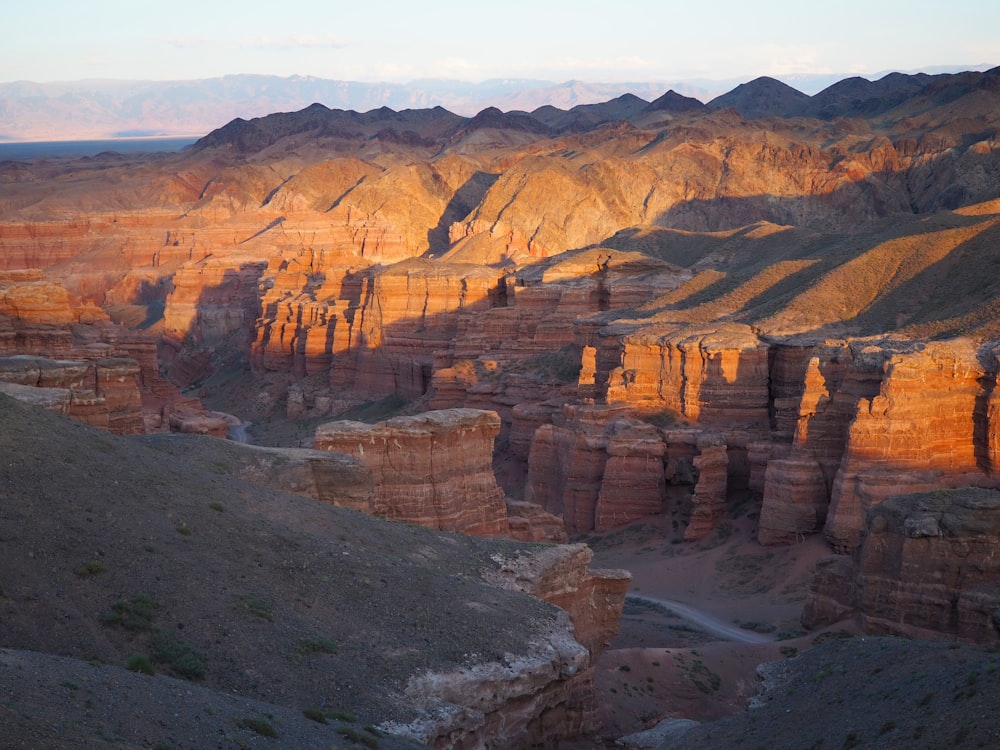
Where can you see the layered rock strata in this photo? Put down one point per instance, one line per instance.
(713, 376)
(924, 430)
(926, 568)
(434, 469)
(103, 393)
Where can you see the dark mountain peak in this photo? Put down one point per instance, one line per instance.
(675, 103)
(491, 117)
(763, 97)
(858, 96)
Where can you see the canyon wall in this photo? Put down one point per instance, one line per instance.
(926, 568)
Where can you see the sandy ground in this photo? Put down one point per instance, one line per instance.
(662, 665)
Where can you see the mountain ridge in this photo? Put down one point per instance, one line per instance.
(109, 108)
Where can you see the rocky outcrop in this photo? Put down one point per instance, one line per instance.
(926, 568)
(103, 393)
(598, 468)
(708, 504)
(709, 376)
(434, 469)
(537, 698)
(919, 433)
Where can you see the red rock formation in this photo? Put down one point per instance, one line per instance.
(531, 523)
(795, 501)
(103, 393)
(712, 376)
(917, 434)
(434, 469)
(926, 568)
(835, 378)
(597, 468)
(708, 504)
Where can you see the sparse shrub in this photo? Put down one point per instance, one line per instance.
(925, 701)
(261, 726)
(184, 660)
(625, 668)
(961, 736)
(316, 644)
(342, 716)
(788, 651)
(217, 506)
(314, 715)
(358, 736)
(135, 614)
(183, 529)
(664, 418)
(90, 568)
(704, 678)
(887, 727)
(851, 740)
(256, 605)
(140, 663)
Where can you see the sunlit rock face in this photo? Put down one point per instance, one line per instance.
(712, 376)
(925, 429)
(433, 469)
(926, 568)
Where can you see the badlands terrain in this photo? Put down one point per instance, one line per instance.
(562, 422)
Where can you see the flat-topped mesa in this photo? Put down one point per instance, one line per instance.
(714, 375)
(433, 469)
(29, 298)
(409, 311)
(926, 568)
(926, 429)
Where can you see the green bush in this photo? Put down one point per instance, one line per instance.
(135, 614)
(256, 605)
(90, 568)
(184, 660)
(140, 663)
(261, 726)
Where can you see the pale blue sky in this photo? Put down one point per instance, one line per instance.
(399, 41)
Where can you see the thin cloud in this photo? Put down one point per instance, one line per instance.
(296, 41)
(191, 42)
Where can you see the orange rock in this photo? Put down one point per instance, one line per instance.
(926, 568)
(918, 433)
(434, 469)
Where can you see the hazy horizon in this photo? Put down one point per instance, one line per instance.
(63, 41)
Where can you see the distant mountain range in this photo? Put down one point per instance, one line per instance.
(95, 109)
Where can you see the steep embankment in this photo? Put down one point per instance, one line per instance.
(116, 553)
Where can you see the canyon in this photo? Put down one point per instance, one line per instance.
(547, 325)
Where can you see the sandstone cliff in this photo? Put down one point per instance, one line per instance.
(925, 569)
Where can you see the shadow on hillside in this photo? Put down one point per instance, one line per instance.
(465, 199)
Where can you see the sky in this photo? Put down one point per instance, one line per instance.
(402, 40)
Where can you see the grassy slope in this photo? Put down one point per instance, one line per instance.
(245, 577)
